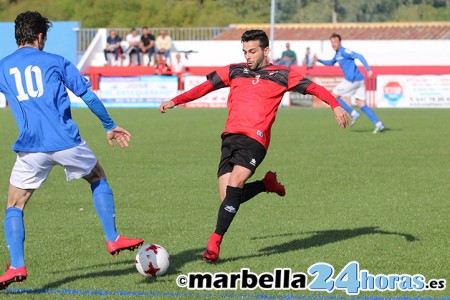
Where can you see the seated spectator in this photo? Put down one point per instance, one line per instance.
(288, 57)
(147, 45)
(308, 60)
(133, 40)
(160, 65)
(113, 46)
(164, 44)
(178, 66)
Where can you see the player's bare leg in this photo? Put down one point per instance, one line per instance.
(15, 235)
(223, 182)
(104, 205)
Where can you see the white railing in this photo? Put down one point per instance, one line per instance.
(86, 35)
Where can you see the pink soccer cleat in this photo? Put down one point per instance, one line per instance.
(12, 275)
(211, 255)
(272, 184)
(123, 243)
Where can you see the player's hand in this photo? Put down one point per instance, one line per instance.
(315, 58)
(341, 116)
(370, 74)
(166, 105)
(119, 134)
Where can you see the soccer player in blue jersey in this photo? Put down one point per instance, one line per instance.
(35, 83)
(353, 84)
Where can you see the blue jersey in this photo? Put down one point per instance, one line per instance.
(34, 83)
(346, 59)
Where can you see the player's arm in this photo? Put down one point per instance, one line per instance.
(113, 132)
(361, 58)
(325, 62)
(216, 80)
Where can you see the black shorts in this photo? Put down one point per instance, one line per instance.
(241, 150)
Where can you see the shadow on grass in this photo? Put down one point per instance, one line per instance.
(177, 261)
(371, 130)
(318, 239)
(90, 275)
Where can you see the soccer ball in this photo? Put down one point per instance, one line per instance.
(152, 260)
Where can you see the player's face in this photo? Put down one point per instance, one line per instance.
(255, 56)
(335, 43)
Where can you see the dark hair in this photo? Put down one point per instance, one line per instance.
(253, 35)
(28, 25)
(335, 35)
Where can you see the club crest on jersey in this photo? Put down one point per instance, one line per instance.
(259, 133)
(256, 80)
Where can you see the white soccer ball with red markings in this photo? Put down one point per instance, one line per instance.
(152, 260)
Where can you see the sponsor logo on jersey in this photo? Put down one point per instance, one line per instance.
(253, 162)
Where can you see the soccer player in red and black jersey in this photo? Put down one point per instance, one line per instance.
(256, 89)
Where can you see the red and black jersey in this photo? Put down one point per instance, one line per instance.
(255, 96)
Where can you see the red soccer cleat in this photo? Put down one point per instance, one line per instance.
(213, 248)
(123, 243)
(272, 185)
(12, 275)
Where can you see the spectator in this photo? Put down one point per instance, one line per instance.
(164, 44)
(288, 57)
(160, 65)
(308, 60)
(113, 45)
(133, 40)
(147, 44)
(178, 65)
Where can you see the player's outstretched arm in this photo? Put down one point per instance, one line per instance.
(191, 95)
(166, 105)
(119, 134)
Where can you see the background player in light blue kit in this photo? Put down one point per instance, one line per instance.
(34, 83)
(353, 84)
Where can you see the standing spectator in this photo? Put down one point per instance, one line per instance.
(164, 43)
(147, 44)
(178, 65)
(133, 40)
(113, 45)
(353, 85)
(288, 57)
(308, 60)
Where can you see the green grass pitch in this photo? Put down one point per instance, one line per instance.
(381, 200)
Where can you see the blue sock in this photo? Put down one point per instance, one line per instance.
(344, 105)
(370, 114)
(104, 205)
(15, 236)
